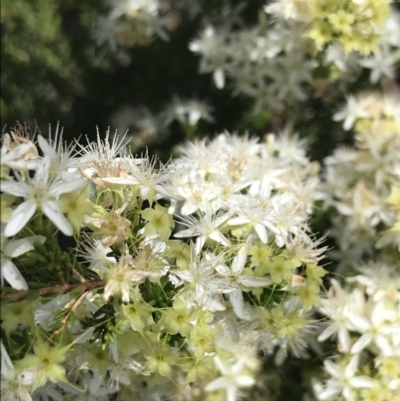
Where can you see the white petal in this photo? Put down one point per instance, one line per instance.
(21, 246)
(261, 232)
(188, 208)
(222, 270)
(362, 382)
(62, 187)
(375, 75)
(12, 275)
(185, 275)
(187, 233)
(15, 188)
(231, 393)
(7, 367)
(344, 339)
(198, 246)
(216, 384)
(361, 343)
(240, 260)
(232, 327)
(218, 237)
(328, 332)
(220, 365)
(236, 298)
(85, 336)
(351, 368)
(53, 212)
(359, 323)
(15, 153)
(245, 381)
(238, 221)
(144, 192)
(219, 78)
(220, 286)
(332, 369)
(19, 217)
(27, 376)
(47, 149)
(250, 281)
(121, 180)
(328, 393)
(211, 303)
(348, 394)
(348, 122)
(194, 117)
(384, 345)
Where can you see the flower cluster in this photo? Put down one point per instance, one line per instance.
(132, 22)
(358, 181)
(265, 63)
(180, 274)
(356, 25)
(366, 320)
(298, 47)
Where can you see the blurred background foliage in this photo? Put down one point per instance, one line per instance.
(53, 70)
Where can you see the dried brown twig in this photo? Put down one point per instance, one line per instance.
(58, 289)
(74, 307)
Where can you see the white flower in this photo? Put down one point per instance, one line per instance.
(41, 193)
(120, 278)
(380, 281)
(96, 253)
(14, 385)
(44, 313)
(381, 63)
(9, 157)
(187, 111)
(252, 212)
(335, 54)
(378, 330)
(48, 392)
(18, 151)
(213, 47)
(304, 248)
(232, 379)
(353, 110)
(197, 193)
(13, 249)
(94, 388)
(344, 381)
(337, 307)
(207, 227)
(202, 273)
(238, 277)
(284, 217)
(59, 156)
(151, 181)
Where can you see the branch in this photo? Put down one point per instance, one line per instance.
(74, 307)
(78, 275)
(58, 289)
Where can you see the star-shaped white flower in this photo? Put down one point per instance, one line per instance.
(381, 63)
(39, 193)
(353, 110)
(344, 381)
(207, 227)
(13, 249)
(238, 278)
(15, 384)
(231, 379)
